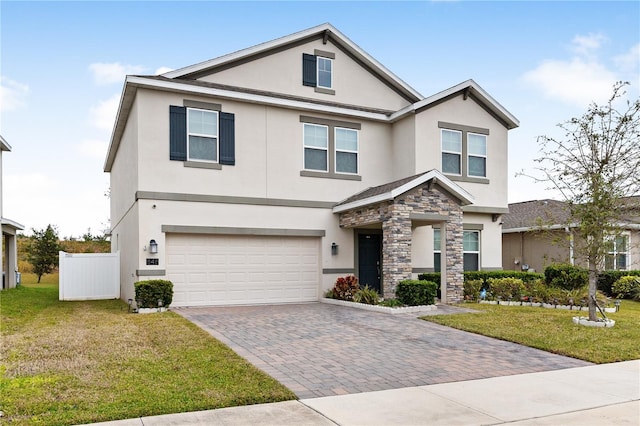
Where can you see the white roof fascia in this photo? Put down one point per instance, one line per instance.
(11, 224)
(4, 145)
(499, 109)
(441, 179)
(344, 41)
(126, 99)
(255, 98)
(633, 226)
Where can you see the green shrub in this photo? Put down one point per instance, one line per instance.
(150, 291)
(635, 294)
(625, 286)
(367, 295)
(472, 289)
(391, 303)
(606, 279)
(567, 277)
(506, 288)
(345, 288)
(536, 291)
(416, 292)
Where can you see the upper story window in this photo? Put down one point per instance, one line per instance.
(325, 65)
(202, 139)
(464, 152)
(318, 71)
(618, 253)
(346, 150)
(201, 135)
(331, 148)
(477, 155)
(451, 152)
(316, 147)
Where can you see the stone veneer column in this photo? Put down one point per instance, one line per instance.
(396, 248)
(455, 258)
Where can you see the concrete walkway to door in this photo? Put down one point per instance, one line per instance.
(321, 350)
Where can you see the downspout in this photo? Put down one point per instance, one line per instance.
(571, 242)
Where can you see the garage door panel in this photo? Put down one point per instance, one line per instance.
(219, 270)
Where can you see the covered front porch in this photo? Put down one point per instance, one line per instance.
(389, 213)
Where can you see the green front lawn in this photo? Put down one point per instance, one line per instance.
(553, 330)
(82, 362)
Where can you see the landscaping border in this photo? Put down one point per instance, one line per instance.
(378, 308)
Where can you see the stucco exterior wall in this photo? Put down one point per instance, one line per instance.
(125, 237)
(151, 220)
(124, 174)
(466, 113)
(538, 250)
(352, 83)
(269, 154)
(404, 147)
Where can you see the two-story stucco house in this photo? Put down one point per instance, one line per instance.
(263, 175)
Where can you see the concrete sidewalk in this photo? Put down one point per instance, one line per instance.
(607, 394)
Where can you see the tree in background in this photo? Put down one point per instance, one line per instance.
(42, 252)
(596, 168)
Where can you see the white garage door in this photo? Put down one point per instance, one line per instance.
(238, 270)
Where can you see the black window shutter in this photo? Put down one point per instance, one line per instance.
(227, 139)
(308, 70)
(177, 133)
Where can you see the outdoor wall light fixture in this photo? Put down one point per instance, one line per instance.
(334, 249)
(153, 247)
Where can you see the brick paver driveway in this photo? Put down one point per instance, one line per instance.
(317, 349)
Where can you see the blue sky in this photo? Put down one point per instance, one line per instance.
(62, 68)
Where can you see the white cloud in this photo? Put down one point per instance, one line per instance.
(163, 70)
(103, 115)
(587, 45)
(93, 148)
(12, 94)
(104, 73)
(576, 82)
(629, 62)
(579, 80)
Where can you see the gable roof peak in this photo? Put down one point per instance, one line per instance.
(325, 30)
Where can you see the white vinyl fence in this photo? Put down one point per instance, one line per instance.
(89, 276)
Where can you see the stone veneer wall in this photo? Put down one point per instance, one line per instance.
(396, 235)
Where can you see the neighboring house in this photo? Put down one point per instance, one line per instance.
(535, 234)
(263, 175)
(9, 247)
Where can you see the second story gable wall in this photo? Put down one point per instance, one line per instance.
(124, 173)
(404, 147)
(281, 72)
(458, 114)
(269, 153)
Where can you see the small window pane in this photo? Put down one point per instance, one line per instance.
(346, 162)
(471, 262)
(203, 148)
(478, 166)
(436, 240)
(451, 163)
(315, 159)
(315, 136)
(608, 262)
(621, 261)
(477, 144)
(471, 241)
(324, 72)
(203, 122)
(621, 243)
(346, 139)
(451, 141)
(436, 262)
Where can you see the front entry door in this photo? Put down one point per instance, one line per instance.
(369, 268)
